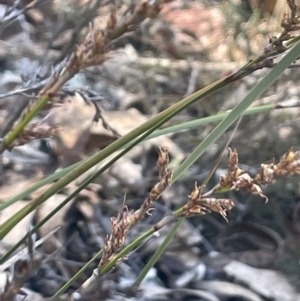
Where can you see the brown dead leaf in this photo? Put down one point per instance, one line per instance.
(74, 119)
(124, 122)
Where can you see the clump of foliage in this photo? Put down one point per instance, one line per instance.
(95, 49)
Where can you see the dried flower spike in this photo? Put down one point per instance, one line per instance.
(237, 179)
(218, 205)
(125, 220)
(198, 205)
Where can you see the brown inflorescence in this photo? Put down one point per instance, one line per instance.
(120, 227)
(94, 50)
(198, 205)
(288, 165)
(290, 23)
(34, 131)
(126, 220)
(237, 178)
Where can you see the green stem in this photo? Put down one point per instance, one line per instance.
(13, 134)
(157, 133)
(255, 92)
(157, 253)
(126, 250)
(74, 193)
(38, 185)
(98, 157)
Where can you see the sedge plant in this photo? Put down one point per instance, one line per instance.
(94, 50)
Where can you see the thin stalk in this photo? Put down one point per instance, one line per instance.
(255, 92)
(77, 275)
(13, 134)
(239, 109)
(210, 119)
(43, 99)
(38, 185)
(157, 133)
(157, 253)
(127, 249)
(74, 193)
(171, 234)
(92, 51)
(98, 157)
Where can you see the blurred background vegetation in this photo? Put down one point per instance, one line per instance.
(188, 46)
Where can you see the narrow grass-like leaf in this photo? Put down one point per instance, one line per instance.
(206, 120)
(172, 129)
(13, 134)
(118, 144)
(38, 185)
(74, 193)
(239, 109)
(157, 253)
(76, 276)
